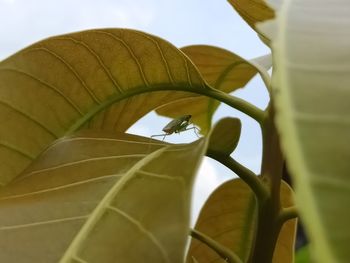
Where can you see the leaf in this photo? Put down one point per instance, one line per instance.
(96, 78)
(253, 11)
(101, 198)
(228, 217)
(225, 136)
(311, 88)
(223, 70)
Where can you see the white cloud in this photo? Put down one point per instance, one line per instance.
(207, 180)
(7, 1)
(25, 22)
(120, 14)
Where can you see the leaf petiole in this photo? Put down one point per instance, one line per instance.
(221, 250)
(244, 173)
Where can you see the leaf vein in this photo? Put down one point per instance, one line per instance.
(56, 90)
(57, 188)
(318, 118)
(98, 212)
(71, 69)
(131, 52)
(143, 230)
(99, 59)
(161, 176)
(188, 72)
(80, 162)
(165, 62)
(54, 221)
(30, 118)
(68, 140)
(15, 149)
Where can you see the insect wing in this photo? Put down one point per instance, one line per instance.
(171, 126)
(176, 124)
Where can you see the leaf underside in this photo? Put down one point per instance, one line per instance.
(96, 78)
(97, 197)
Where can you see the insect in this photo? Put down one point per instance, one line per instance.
(178, 125)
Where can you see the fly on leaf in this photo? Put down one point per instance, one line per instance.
(178, 125)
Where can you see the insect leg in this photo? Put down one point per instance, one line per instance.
(158, 135)
(195, 130)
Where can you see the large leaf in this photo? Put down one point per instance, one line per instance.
(58, 85)
(94, 198)
(224, 71)
(311, 88)
(228, 217)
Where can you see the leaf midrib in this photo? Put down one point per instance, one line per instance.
(104, 204)
(133, 92)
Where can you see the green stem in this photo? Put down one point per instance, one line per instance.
(239, 104)
(222, 251)
(287, 214)
(232, 101)
(267, 230)
(263, 74)
(244, 173)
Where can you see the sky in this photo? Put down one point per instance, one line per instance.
(182, 22)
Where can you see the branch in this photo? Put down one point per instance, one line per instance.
(224, 252)
(267, 230)
(244, 173)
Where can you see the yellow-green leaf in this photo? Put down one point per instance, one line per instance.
(225, 136)
(89, 78)
(223, 70)
(228, 217)
(101, 198)
(253, 11)
(311, 88)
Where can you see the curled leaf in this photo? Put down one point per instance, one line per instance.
(96, 78)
